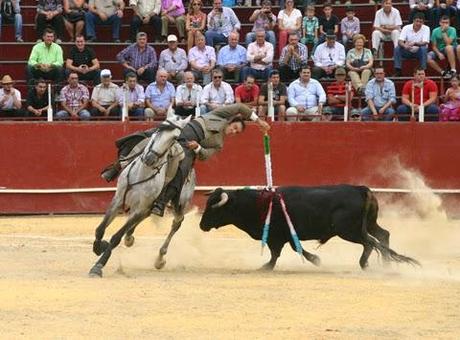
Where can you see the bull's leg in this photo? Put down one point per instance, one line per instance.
(133, 220)
(177, 222)
(365, 256)
(314, 259)
(99, 246)
(382, 235)
(275, 251)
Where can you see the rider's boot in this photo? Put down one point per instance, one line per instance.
(111, 172)
(159, 205)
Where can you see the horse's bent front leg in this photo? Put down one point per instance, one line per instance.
(99, 246)
(160, 261)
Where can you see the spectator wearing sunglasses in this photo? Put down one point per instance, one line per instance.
(173, 60)
(216, 94)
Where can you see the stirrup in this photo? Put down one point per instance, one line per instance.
(158, 209)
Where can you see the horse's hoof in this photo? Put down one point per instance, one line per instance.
(129, 240)
(160, 263)
(96, 271)
(100, 246)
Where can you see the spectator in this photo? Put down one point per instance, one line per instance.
(159, 97)
(450, 109)
(221, 21)
(310, 27)
(359, 63)
(387, 25)
(412, 44)
(49, 13)
(423, 7)
(444, 44)
(202, 59)
(195, 22)
(380, 97)
(327, 57)
(306, 97)
(139, 58)
(104, 99)
(10, 13)
(104, 12)
(248, 93)
(146, 12)
(216, 94)
(289, 20)
(37, 99)
(83, 61)
(263, 19)
(328, 23)
(293, 57)
(74, 100)
(187, 96)
(442, 8)
(411, 96)
(132, 94)
(232, 58)
(172, 12)
(46, 59)
(173, 60)
(260, 57)
(74, 17)
(336, 95)
(279, 96)
(349, 26)
(10, 99)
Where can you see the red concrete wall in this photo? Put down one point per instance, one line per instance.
(70, 155)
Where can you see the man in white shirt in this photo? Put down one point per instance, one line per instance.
(216, 94)
(412, 44)
(104, 99)
(187, 96)
(173, 60)
(306, 97)
(387, 25)
(10, 99)
(260, 57)
(327, 57)
(202, 59)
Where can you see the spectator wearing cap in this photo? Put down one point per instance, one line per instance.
(336, 95)
(380, 97)
(132, 95)
(327, 57)
(74, 100)
(387, 25)
(289, 20)
(187, 96)
(221, 21)
(104, 12)
(359, 63)
(349, 26)
(10, 99)
(306, 97)
(159, 97)
(139, 58)
(293, 57)
(232, 58)
(248, 93)
(260, 57)
(327, 23)
(216, 94)
(146, 12)
(172, 12)
(83, 61)
(50, 14)
(173, 60)
(279, 96)
(10, 13)
(37, 99)
(412, 44)
(263, 19)
(104, 99)
(202, 59)
(46, 60)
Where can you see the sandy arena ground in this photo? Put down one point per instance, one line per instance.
(210, 288)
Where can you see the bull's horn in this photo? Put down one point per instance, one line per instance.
(223, 200)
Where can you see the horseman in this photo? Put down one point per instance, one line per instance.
(201, 137)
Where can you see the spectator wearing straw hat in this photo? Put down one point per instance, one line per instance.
(37, 99)
(10, 99)
(104, 99)
(327, 57)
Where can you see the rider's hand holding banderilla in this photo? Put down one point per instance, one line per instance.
(263, 125)
(192, 145)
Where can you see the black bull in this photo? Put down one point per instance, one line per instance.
(318, 213)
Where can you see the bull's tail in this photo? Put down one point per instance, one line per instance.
(370, 216)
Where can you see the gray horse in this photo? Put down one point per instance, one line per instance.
(139, 184)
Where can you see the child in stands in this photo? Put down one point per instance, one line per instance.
(450, 109)
(310, 26)
(349, 26)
